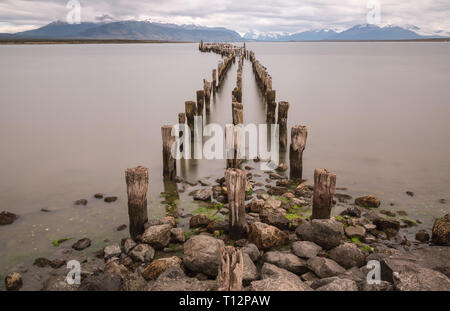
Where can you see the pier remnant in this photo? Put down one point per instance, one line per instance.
(137, 188)
(236, 181)
(324, 188)
(214, 80)
(200, 102)
(191, 111)
(299, 135)
(271, 106)
(169, 162)
(231, 269)
(283, 108)
(238, 113)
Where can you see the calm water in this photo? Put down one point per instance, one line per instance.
(73, 117)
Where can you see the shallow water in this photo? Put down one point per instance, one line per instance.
(74, 117)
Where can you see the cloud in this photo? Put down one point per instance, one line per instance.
(240, 15)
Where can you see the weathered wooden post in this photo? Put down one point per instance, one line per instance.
(169, 162)
(214, 80)
(299, 135)
(207, 90)
(271, 106)
(283, 108)
(191, 111)
(324, 187)
(137, 187)
(181, 118)
(231, 269)
(200, 102)
(236, 181)
(238, 113)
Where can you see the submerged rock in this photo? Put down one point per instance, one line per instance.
(368, 201)
(83, 202)
(81, 244)
(7, 218)
(422, 236)
(110, 199)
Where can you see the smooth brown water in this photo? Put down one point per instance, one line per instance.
(73, 117)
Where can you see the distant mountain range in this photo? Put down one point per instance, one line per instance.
(146, 30)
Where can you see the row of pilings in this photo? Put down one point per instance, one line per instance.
(236, 184)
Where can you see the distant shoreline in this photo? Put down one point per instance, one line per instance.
(8, 41)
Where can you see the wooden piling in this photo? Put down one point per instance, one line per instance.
(299, 135)
(238, 113)
(214, 80)
(231, 269)
(169, 163)
(207, 90)
(191, 111)
(137, 188)
(181, 118)
(236, 181)
(200, 102)
(283, 108)
(271, 106)
(324, 188)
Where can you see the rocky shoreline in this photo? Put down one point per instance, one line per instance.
(283, 250)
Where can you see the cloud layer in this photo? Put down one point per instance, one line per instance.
(260, 16)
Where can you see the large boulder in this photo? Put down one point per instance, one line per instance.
(275, 217)
(441, 231)
(286, 260)
(348, 255)
(305, 249)
(158, 266)
(327, 233)
(202, 254)
(339, 285)
(157, 236)
(324, 267)
(250, 270)
(368, 201)
(266, 236)
(277, 279)
(174, 279)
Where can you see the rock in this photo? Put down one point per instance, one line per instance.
(277, 279)
(384, 224)
(257, 205)
(177, 235)
(272, 203)
(282, 167)
(203, 194)
(324, 267)
(355, 231)
(250, 271)
(368, 201)
(201, 220)
(202, 254)
(98, 195)
(420, 279)
(101, 282)
(113, 267)
(57, 283)
(157, 236)
(443, 201)
(441, 231)
(326, 233)
(218, 225)
(286, 260)
(342, 197)
(308, 276)
(265, 236)
(352, 211)
(174, 279)
(157, 267)
(44, 262)
(273, 175)
(81, 244)
(388, 213)
(275, 217)
(277, 190)
(112, 250)
(168, 220)
(134, 282)
(142, 253)
(110, 199)
(13, 281)
(83, 202)
(410, 193)
(298, 202)
(263, 196)
(383, 286)
(251, 250)
(422, 236)
(348, 255)
(205, 182)
(121, 227)
(288, 195)
(128, 245)
(7, 218)
(305, 249)
(339, 285)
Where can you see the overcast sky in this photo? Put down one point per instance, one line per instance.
(260, 16)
